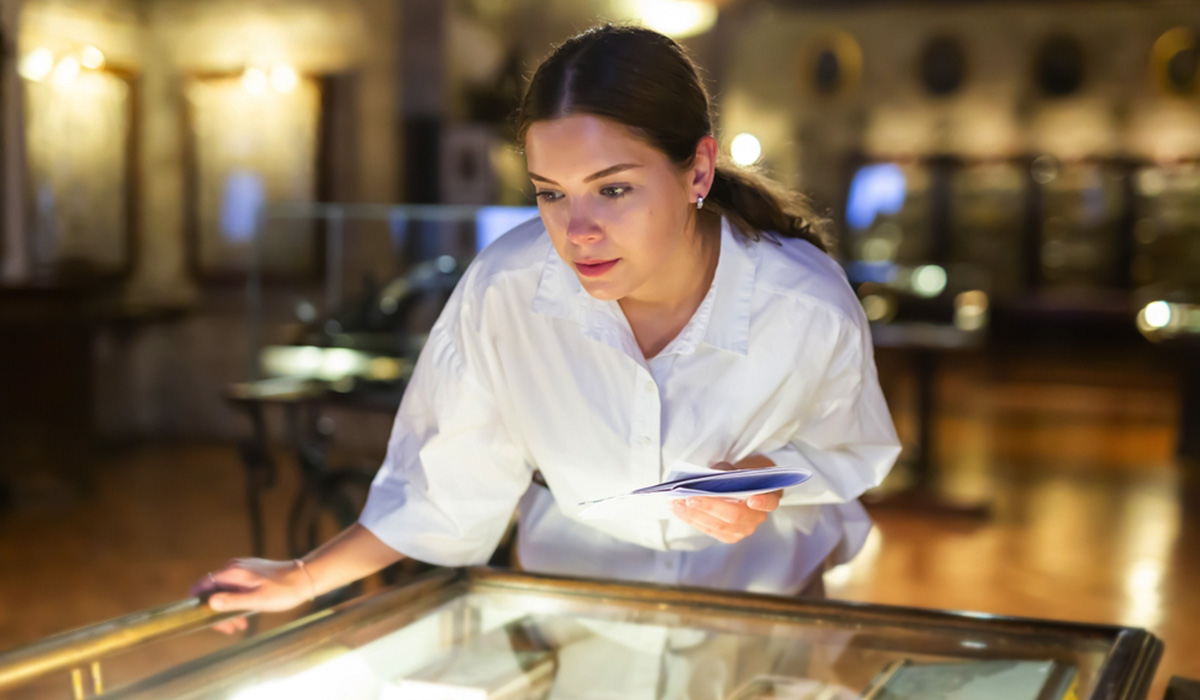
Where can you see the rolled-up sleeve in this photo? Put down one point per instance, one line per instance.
(847, 439)
(452, 476)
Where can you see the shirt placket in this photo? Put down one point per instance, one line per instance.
(646, 431)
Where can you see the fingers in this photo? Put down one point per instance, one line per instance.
(765, 502)
(713, 526)
(270, 597)
(225, 579)
(702, 521)
(255, 585)
(201, 587)
(725, 510)
(238, 600)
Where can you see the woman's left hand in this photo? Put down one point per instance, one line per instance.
(725, 520)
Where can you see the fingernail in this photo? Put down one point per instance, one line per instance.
(216, 603)
(693, 501)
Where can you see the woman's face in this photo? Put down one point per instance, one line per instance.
(619, 212)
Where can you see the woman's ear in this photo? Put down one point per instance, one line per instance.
(704, 167)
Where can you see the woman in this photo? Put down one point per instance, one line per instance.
(663, 308)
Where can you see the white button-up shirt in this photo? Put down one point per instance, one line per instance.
(525, 370)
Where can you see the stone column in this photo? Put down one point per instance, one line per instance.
(16, 263)
(161, 277)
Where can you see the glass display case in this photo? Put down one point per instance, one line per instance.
(888, 214)
(1167, 232)
(987, 223)
(1083, 205)
(483, 633)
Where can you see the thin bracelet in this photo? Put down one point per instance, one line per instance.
(311, 584)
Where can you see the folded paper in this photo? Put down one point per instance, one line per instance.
(688, 480)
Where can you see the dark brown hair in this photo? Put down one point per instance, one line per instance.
(648, 83)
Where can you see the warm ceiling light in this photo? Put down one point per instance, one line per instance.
(676, 18)
(66, 71)
(37, 64)
(91, 58)
(745, 149)
(284, 78)
(254, 80)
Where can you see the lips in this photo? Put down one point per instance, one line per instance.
(595, 269)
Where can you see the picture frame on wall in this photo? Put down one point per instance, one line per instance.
(82, 191)
(252, 139)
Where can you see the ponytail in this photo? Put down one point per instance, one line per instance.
(757, 205)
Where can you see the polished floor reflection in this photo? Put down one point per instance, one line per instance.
(1093, 519)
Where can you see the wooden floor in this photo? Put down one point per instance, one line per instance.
(1093, 519)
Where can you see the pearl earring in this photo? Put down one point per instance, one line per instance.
(699, 202)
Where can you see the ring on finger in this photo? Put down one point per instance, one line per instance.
(212, 579)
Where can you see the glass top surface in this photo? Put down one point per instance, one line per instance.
(480, 640)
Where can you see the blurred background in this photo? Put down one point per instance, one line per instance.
(226, 226)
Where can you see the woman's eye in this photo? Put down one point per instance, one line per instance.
(548, 196)
(615, 191)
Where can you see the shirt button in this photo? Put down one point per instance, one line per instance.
(646, 441)
(651, 387)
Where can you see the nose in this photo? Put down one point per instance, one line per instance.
(582, 227)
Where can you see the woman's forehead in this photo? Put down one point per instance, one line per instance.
(578, 145)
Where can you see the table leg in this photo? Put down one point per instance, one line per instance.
(921, 494)
(256, 458)
(1189, 410)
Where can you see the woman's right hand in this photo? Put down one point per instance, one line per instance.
(260, 585)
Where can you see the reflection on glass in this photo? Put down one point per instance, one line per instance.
(983, 680)
(1151, 532)
(241, 201)
(513, 642)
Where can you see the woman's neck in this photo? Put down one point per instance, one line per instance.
(658, 317)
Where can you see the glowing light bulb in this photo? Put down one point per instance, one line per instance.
(37, 64)
(745, 149)
(929, 280)
(91, 58)
(284, 78)
(876, 307)
(254, 80)
(1157, 314)
(677, 18)
(971, 310)
(66, 71)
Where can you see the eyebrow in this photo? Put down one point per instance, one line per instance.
(594, 176)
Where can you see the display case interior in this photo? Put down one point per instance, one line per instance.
(496, 634)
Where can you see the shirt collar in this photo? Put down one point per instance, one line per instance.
(722, 320)
(733, 292)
